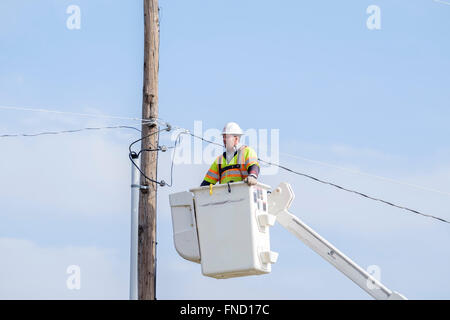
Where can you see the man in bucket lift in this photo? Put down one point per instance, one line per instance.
(237, 163)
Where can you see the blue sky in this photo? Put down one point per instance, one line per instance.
(369, 100)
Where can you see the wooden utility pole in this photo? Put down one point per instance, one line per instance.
(147, 198)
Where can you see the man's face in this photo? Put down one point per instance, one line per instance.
(229, 141)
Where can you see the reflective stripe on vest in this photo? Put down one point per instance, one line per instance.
(241, 172)
(234, 166)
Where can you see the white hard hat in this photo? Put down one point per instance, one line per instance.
(233, 129)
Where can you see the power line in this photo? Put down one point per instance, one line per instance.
(133, 155)
(65, 131)
(365, 174)
(177, 140)
(353, 191)
(330, 183)
(78, 114)
(168, 128)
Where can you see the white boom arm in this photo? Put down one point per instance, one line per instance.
(279, 202)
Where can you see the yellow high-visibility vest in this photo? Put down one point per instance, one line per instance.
(233, 171)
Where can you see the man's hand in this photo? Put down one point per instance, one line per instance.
(251, 180)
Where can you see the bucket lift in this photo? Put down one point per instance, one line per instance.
(225, 228)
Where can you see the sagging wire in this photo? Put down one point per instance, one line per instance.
(358, 172)
(133, 155)
(65, 131)
(177, 141)
(329, 183)
(356, 192)
(79, 114)
(160, 148)
(185, 131)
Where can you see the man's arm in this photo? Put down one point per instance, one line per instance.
(253, 170)
(252, 167)
(212, 176)
(205, 183)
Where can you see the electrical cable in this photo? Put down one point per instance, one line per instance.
(353, 191)
(366, 174)
(168, 128)
(133, 155)
(65, 131)
(331, 184)
(177, 140)
(78, 114)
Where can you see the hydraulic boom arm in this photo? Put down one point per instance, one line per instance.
(279, 202)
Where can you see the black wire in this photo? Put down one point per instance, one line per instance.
(292, 171)
(162, 183)
(201, 138)
(177, 141)
(147, 150)
(129, 148)
(334, 185)
(143, 174)
(353, 191)
(132, 154)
